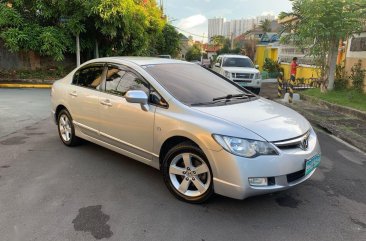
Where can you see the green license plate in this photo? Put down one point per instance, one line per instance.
(312, 163)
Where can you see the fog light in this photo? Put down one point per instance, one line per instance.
(258, 181)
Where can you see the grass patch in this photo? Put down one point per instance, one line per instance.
(349, 98)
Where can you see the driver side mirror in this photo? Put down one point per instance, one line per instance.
(138, 97)
(217, 64)
(256, 66)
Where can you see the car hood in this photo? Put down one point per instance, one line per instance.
(241, 70)
(270, 120)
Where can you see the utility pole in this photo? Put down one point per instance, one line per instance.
(77, 50)
(232, 40)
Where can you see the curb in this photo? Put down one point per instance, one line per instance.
(36, 86)
(334, 107)
(355, 141)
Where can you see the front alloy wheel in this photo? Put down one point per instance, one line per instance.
(187, 174)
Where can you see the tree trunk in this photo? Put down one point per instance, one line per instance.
(333, 55)
(96, 49)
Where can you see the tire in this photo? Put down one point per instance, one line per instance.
(256, 90)
(187, 173)
(66, 129)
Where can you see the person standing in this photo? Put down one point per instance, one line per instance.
(294, 66)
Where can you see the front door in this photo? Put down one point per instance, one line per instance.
(84, 98)
(126, 125)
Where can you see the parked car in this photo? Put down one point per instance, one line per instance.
(239, 69)
(206, 134)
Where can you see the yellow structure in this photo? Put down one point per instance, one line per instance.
(267, 51)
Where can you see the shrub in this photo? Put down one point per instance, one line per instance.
(341, 78)
(272, 67)
(358, 76)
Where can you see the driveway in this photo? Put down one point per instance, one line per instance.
(51, 192)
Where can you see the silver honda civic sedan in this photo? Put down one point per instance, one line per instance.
(205, 133)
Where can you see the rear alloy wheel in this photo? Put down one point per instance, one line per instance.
(66, 129)
(187, 174)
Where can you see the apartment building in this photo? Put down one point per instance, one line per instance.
(234, 28)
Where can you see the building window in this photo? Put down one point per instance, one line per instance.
(358, 44)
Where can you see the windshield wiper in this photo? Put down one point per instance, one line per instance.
(209, 102)
(228, 97)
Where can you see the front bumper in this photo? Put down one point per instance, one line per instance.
(253, 83)
(285, 170)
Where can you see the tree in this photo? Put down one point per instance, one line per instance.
(265, 25)
(320, 25)
(169, 41)
(119, 27)
(194, 53)
(218, 40)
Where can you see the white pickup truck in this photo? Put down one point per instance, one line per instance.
(239, 69)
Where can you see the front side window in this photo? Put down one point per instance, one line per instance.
(119, 81)
(113, 79)
(190, 83)
(90, 77)
(237, 62)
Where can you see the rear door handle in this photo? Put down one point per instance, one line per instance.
(106, 102)
(73, 93)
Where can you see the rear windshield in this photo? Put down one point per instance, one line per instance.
(190, 83)
(237, 62)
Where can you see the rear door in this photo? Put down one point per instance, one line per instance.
(125, 125)
(84, 97)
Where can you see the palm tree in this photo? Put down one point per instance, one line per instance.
(266, 25)
(218, 40)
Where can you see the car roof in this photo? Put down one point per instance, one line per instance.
(234, 56)
(141, 61)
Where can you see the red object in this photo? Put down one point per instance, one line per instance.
(293, 67)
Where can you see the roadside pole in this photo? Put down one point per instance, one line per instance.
(291, 91)
(279, 82)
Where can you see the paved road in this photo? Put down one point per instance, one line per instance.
(52, 192)
(22, 107)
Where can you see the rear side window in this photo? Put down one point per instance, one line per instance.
(90, 77)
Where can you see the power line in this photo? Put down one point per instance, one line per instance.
(193, 34)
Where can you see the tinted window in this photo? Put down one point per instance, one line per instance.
(113, 79)
(120, 81)
(237, 62)
(89, 77)
(190, 83)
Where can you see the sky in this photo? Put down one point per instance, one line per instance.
(191, 15)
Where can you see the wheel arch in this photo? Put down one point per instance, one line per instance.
(59, 108)
(170, 143)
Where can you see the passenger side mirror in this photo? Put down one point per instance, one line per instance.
(217, 64)
(138, 97)
(256, 66)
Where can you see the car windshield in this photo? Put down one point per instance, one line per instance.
(191, 84)
(237, 62)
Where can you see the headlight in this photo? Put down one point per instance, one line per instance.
(245, 147)
(258, 76)
(227, 74)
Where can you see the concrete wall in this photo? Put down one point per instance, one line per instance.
(29, 60)
(304, 71)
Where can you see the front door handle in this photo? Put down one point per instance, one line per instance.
(106, 102)
(73, 93)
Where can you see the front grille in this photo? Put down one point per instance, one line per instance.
(244, 76)
(292, 177)
(242, 81)
(297, 142)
